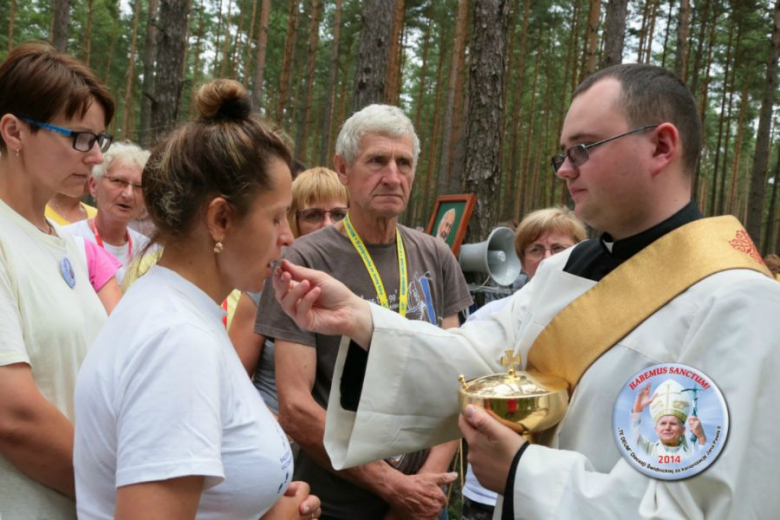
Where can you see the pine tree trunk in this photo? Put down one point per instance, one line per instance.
(287, 62)
(226, 41)
(433, 136)
(694, 83)
(260, 56)
(738, 148)
(703, 97)
(724, 169)
(769, 247)
(236, 44)
(755, 212)
(521, 193)
(510, 60)
(724, 93)
(197, 65)
(327, 119)
(517, 113)
(150, 48)
(11, 21)
(452, 106)
(127, 109)
(666, 33)
(170, 58)
(681, 53)
(61, 25)
(373, 53)
(301, 144)
(423, 66)
(576, 49)
(248, 47)
(114, 34)
(393, 90)
(217, 40)
(651, 30)
(643, 32)
(614, 33)
(592, 39)
(88, 34)
(484, 136)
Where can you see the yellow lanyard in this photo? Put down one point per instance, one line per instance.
(376, 279)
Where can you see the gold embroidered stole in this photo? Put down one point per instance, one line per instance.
(572, 341)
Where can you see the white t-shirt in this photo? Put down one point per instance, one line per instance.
(48, 325)
(121, 253)
(162, 394)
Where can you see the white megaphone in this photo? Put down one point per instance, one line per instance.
(495, 256)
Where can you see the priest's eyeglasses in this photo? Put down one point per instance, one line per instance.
(82, 141)
(578, 154)
(317, 215)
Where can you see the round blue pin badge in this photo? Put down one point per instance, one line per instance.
(670, 421)
(66, 270)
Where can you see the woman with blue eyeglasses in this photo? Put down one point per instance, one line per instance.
(116, 186)
(53, 116)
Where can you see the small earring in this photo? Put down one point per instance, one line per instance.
(17, 151)
(218, 247)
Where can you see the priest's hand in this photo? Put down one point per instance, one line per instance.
(319, 303)
(492, 446)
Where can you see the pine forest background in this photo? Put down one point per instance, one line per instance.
(486, 82)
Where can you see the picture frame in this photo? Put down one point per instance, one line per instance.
(452, 229)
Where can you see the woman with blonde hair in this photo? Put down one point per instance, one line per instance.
(318, 200)
(546, 232)
(168, 425)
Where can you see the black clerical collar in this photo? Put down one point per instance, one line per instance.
(594, 259)
(628, 247)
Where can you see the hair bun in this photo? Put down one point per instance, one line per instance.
(224, 99)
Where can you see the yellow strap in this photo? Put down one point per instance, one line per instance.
(606, 313)
(373, 273)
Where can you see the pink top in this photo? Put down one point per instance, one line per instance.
(101, 264)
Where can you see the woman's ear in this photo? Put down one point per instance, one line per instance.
(219, 218)
(11, 132)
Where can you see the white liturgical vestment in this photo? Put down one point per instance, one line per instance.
(726, 326)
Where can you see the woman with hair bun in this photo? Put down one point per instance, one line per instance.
(169, 426)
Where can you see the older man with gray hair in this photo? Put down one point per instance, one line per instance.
(394, 266)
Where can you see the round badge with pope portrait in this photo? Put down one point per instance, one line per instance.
(670, 421)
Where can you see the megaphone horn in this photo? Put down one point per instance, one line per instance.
(495, 256)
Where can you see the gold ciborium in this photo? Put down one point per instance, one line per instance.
(526, 402)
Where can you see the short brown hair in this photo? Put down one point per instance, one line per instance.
(313, 185)
(542, 221)
(653, 95)
(39, 82)
(225, 153)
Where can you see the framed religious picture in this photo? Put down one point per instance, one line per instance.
(450, 218)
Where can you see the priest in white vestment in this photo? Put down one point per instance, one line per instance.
(631, 140)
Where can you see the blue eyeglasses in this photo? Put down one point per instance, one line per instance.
(82, 141)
